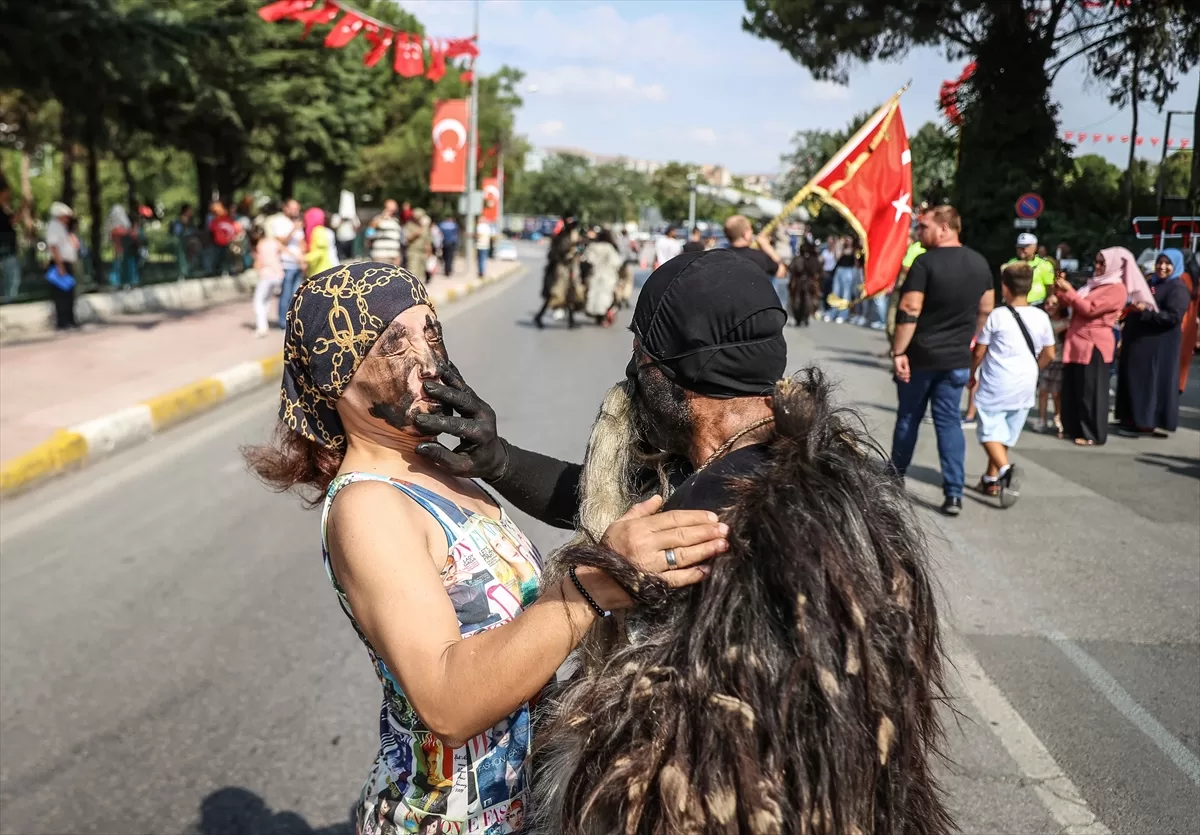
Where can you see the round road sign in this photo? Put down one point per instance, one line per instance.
(1030, 205)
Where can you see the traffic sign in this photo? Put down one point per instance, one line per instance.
(1025, 223)
(1030, 205)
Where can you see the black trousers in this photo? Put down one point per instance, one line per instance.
(1085, 399)
(448, 251)
(64, 308)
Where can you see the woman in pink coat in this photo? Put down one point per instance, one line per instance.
(1090, 342)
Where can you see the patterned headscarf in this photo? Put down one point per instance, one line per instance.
(334, 320)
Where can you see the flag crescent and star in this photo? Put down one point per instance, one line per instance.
(448, 171)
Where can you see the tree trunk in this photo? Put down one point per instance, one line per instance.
(28, 210)
(204, 187)
(95, 209)
(130, 186)
(287, 184)
(1134, 94)
(67, 131)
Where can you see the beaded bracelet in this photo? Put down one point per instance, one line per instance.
(591, 600)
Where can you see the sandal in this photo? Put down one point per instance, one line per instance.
(988, 488)
(1084, 442)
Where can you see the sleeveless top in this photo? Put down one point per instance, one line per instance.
(491, 574)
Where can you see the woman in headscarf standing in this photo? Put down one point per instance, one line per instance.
(1191, 320)
(320, 247)
(1148, 369)
(1090, 343)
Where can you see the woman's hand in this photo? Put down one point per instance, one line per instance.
(1062, 285)
(643, 537)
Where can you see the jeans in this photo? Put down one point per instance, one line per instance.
(10, 270)
(291, 283)
(782, 290)
(942, 391)
(879, 306)
(483, 255)
(448, 251)
(844, 281)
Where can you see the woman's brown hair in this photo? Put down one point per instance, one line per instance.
(292, 462)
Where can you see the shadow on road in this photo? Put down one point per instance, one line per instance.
(238, 811)
(925, 475)
(878, 363)
(1176, 464)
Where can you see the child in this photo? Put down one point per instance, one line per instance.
(1015, 342)
(1050, 380)
(268, 254)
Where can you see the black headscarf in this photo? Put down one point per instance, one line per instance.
(712, 322)
(334, 320)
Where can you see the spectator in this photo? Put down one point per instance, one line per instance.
(387, 235)
(345, 230)
(268, 263)
(118, 228)
(291, 238)
(449, 227)
(1050, 379)
(63, 246)
(320, 249)
(829, 255)
(10, 261)
(420, 244)
(666, 248)
(947, 297)
(483, 243)
(243, 245)
(1016, 341)
(845, 282)
(1090, 343)
(695, 243)
(222, 231)
(741, 234)
(183, 231)
(1191, 321)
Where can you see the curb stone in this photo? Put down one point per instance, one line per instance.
(78, 446)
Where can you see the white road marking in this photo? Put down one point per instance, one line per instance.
(1053, 787)
(1118, 697)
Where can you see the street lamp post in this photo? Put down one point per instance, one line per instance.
(472, 154)
(691, 201)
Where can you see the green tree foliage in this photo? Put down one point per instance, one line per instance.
(670, 189)
(1009, 139)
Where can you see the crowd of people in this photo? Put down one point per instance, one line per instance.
(1042, 339)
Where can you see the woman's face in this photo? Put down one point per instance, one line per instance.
(389, 384)
(1099, 265)
(1163, 268)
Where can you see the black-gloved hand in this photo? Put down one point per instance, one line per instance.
(481, 453)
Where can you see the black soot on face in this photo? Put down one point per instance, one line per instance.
(398, 357)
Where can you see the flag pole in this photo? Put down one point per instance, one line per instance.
(472, 151)
(829, 165)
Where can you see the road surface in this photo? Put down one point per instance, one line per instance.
(173, 660)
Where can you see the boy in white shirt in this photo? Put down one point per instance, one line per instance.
(1016, 342)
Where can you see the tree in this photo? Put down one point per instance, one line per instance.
(1008, 140)
(670, 189)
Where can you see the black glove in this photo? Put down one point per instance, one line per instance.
(482, 453)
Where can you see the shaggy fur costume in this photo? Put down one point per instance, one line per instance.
(794, 690)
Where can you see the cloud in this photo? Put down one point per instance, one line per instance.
(548, 129)
(600, 81)
(826, 91)
(706, 135)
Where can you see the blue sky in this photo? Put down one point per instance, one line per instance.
(681, 80)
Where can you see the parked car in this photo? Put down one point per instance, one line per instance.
(505, 251)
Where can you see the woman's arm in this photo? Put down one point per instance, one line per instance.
(383, 556)
(1172, 307)
(1094, 304)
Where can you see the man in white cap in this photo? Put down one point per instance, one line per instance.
(64, 253)
(1043, 270)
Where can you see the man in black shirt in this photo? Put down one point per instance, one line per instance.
(741, 234)
(694, 244)
(823, 549)
(946, 299)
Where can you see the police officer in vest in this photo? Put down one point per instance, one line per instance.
(1043, 269)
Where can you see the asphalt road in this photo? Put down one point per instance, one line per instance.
(173, 660)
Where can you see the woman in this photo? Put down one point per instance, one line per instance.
(1148, 368)
(845, 281)
(1191, 320)
(805, 284)
(604, 262)
(118, 227)
(268, 264)
(461, 636)
(1089, 345)
(320, 248)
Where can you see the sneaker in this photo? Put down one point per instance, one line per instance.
(878, 326)
(952, 506)
(1010, 487)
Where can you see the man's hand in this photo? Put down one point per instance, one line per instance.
(643, 536)
(901, 369)
(481, 453)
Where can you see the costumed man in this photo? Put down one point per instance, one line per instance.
(561, 284)
(1043, 269)
(799, 681)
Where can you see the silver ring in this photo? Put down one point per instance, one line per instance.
(671, 563)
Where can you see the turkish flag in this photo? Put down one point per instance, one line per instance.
(316, 17)
(283, 9)
(410, 60)
(491, 199)
(346, 30)
(437, 60)
(381, 42)
(869, 182)
(449, 171)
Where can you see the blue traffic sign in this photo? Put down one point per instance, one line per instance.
(1030, 205)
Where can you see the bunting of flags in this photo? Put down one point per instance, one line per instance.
(1081, 136)
(410, 49)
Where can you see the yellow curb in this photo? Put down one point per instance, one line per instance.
(451, 294)
(63, 451)
(272, 366)
(183, 402)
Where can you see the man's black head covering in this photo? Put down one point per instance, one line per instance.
(712, 322)
(334, 320)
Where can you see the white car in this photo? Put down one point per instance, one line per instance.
(505, 251)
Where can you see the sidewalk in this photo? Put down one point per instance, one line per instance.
(55, 383)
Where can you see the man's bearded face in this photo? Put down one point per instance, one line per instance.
(660, 411)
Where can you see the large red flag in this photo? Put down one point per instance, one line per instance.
(449, 172)
(491, 199)
(869, 182)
